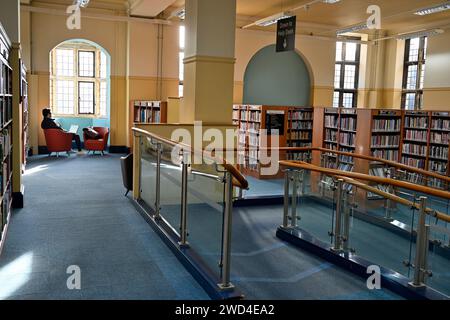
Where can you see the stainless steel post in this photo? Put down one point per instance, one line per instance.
(159, 150)
(227, 228)
(346, 223)
(184, 187)
(294, 199)
(338, 217)
(286, 199)
(388, 203)
(420, 246)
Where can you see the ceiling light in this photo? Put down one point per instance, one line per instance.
(273, 19)
(434, 9)
(330, 1)
(179, 13)
(358, 27)
(419, 34)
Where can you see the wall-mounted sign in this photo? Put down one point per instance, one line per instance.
(286, 34)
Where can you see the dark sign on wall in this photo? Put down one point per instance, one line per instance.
(275, 122)
(286, 34)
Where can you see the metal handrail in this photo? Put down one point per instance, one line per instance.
(238, 179)
(349, 177)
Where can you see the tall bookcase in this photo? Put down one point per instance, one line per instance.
(294, 125)
(6, 123)
(335, 129)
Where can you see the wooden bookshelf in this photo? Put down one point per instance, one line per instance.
(149, 111)
(6, 125)
(295, 125)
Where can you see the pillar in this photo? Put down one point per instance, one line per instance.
(209, 61)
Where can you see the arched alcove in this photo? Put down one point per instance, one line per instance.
(68, 82)
(277, 79)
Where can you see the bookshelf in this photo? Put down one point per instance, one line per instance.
(295, 125)
(6, 123)
(149, 111)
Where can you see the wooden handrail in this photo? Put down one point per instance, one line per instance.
(358, 156)
(238, 179)
(365, 177)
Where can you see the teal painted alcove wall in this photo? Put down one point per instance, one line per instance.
(66, 122)
(277, 79)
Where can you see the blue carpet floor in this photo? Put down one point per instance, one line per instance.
(75, 214)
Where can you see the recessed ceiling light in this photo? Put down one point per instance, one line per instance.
(434, 9)
(273, 19)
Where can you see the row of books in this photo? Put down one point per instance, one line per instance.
(6, 171)
(255, 126)
(252, 115)
(299, 144)
(253, 140)
(302, 125)
(416, 122)
(300, 115)
(377, 171)
(438, 166)
(418, 150)
(300, 135)
(414, 162)
(5, 109)
(437, 137)
(439, 152)
(5, 144)
(330, 135)
(331, 121)
(391, 155)
(330, 146)
(5, 79)
(147, 115)
(417, 135)
(345, 159)
(348, 123)
(385, 141)
(347, 138)
(386, 125)
(440, 124)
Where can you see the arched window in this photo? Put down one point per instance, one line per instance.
(79, 80)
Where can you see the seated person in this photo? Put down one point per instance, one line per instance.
(49, 123)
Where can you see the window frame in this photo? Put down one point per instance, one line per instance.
(343, 63)
(420, 63)
(76, 78)
(93, 98)
(94, 67)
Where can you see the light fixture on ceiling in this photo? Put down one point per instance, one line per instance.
(355, 28)
(330, 1)
(419, 34)
(273, 19)
(433, 9)
(179, 13)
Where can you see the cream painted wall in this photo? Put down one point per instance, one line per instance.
(437, 74)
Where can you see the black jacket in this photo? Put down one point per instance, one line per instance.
(49, 123)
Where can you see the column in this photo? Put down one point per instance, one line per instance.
(209, 61)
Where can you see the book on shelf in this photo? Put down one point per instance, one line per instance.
(440, 124)
(386, 125)
(416, 135)
(415, 149)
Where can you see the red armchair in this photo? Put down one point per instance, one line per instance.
(58, 141)
(97, 144)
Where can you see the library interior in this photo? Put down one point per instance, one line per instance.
(238, 149)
